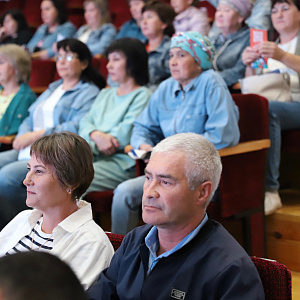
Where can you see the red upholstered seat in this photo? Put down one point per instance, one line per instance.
(42, 74)
(242, 182)
(290, 141)
(275, 277)
(115, 239)
(119, 12)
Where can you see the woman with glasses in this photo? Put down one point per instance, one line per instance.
(59, 108)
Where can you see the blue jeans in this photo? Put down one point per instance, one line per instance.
(282, 116)
(126, 205)
(12, 189)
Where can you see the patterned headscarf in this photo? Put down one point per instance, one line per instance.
(196, 44)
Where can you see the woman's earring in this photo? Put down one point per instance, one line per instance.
(69, 191)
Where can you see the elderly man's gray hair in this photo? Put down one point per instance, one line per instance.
(203, 162)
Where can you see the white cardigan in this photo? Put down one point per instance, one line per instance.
(78, 240)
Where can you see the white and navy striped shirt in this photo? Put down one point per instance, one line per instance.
(37, 240)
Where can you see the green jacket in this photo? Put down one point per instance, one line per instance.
(17, 110)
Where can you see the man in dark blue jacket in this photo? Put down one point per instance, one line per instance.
(181, 253)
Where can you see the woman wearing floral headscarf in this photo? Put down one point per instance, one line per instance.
(194, 99)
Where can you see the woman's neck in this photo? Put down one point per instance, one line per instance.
(286, 37)
(154, 42)
(127, 87)
(10, 87)
(52, 28)
(69, 83)
(54, 215)
(227, 31)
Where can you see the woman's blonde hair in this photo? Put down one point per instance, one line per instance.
(19, 59)
(103, 9)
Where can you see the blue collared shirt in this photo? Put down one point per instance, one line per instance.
(204, 106)
(152, 243)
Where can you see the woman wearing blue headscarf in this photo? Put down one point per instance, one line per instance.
(194, 99)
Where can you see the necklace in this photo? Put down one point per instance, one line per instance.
(32, 239)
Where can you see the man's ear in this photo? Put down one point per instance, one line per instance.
(204, 191)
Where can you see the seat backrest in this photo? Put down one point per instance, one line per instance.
(254, 120)
(115, 239)
(275, 277)
(242, 182)
(42, 73)
(119, 12)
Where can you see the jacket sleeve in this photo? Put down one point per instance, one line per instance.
(107, 36)
(87, 124)
(232, 75)
(36, 38)
(240, 280)
(105, 287)
(147, 128)
(67, 30)
(221, 127)
(22, 110)
(199, 23)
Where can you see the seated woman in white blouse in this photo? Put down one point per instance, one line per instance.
(59, 171)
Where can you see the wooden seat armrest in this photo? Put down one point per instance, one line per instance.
(245, 147)
(39, 89)
(7, 139)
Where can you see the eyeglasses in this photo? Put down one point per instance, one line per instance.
(67, 57)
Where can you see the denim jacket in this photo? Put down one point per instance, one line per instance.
(100, 38)
(69, 110)
(228, 60)
(158, 63)
(66, 30)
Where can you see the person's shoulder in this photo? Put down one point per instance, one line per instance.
(137, 236)
(26, 89)
(144, 91)
(68, 25)
(87, 85)
(108, 26)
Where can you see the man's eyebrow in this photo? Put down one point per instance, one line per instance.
(162, 175)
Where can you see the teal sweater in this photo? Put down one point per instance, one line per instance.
(17, 110)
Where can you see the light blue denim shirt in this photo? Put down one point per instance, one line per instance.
(152, 243)
(66, 30)
(131, 29)
(69, 110)
(100, 38)
(204, 106)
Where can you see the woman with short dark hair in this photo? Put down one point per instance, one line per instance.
(157, 27)
(108, 125)
(59, 171)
